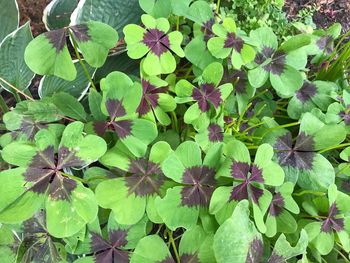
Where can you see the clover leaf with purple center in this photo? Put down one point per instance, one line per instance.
(211, 134)
(196, 50)
(230, 42)
(121, 99)
(339, 112)
(249, 181)
(155, 43)
(207, 96)
(299, 156)
(43, 179)
(132, 195)
(331, 219)
(242, 93)
(278, 64)
(279, 211)
(155, 101)
(112, 243)
(182, 204)
(311, 95)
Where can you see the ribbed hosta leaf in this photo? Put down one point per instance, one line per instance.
(9, 17)
(116, 13)
(13, 68)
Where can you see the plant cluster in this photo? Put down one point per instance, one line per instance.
(224, 146)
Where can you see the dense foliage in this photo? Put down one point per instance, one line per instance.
(173, 136)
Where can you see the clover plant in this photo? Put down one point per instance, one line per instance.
(178, 135)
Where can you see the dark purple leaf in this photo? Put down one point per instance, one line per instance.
(207, 29)
(157, 41)
(215, 133)
(188, 258)
(306, 92)
(115, 108)
(276, 66)
(207, 93)
(100, 127)
(200, 183)
(232, 41)
(150, 96)
(277, 204)
(121, 128)
(256, 251)
(57, 38)
(332, 221)
(109, 251)
(80, 32)
(146, 178)
(274, 258)
(300, 155)
(265, 54)
(345, 115)
(249, 174)
(30, 127)
(325, 43)
(168, 260)
(44, 173)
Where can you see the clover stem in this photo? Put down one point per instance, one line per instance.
(175, 123)
(218, 6)
(75, 178)
(343, 169)
(3, 105)
(242, 115)
(309, 192)
(177, 23)
(17, 91)
(171, 239)
(341, 254)
(81, 61)
(334, 147)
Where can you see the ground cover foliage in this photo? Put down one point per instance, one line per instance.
(173, 135)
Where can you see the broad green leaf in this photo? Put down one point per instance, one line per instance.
(48, 54)
(94, 40)
(151, 249)
(13, 68)
(57, 13)
(69, 106)
(237, 239)
(116, 13)
(49, 85)
(9, 17)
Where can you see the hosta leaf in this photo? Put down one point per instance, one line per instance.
(49, 85)
(237, 239)
(116, 13)
(57, 13)
(13, 68)
(94, 41)
(9, 17)
(151, 249)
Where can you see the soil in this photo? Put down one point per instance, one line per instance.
(33, 10)
(328, 11)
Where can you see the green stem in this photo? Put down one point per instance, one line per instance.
(218, 7)
(242, 115)
(334, 147)
(171, 239)
(177, 23)
(75, 178)
(3, 105)
(81, 61)
(175, 123)
(309, 192)
(341, 254)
